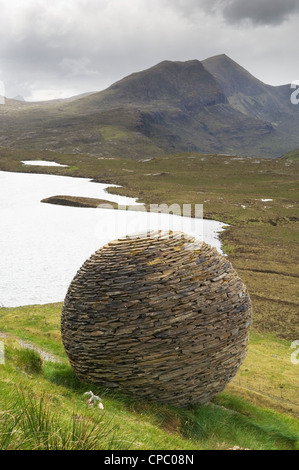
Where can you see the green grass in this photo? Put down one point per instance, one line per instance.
(47, 406)
(267, 371)
(113, 133)
(293, 155)
(29, 361)
(32, 423)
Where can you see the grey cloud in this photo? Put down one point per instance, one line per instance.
(74, 46)
(258, 12)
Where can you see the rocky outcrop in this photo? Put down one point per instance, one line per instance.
(162, 317)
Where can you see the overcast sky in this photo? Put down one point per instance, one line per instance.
(62, 48)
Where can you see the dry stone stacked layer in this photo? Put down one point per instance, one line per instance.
(160, 317)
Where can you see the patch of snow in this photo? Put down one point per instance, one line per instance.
(42, 163)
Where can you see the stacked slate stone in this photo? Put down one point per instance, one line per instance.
(160, 317)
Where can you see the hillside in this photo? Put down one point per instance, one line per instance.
(248, 94)
(214, 106)
(293, 155)
(256, 99)
(177, 84)
(43, 407)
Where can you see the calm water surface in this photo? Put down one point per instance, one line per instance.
(42, 245)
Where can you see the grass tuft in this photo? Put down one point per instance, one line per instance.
(32, 423)
(29, 361)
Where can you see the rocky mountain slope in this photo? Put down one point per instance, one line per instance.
(214, 106)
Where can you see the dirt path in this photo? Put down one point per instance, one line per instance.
(27, 345)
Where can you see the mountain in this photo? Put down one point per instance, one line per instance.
(248, 94)
(183, 84)
(19, 98)
(10, 103)
(214, 106)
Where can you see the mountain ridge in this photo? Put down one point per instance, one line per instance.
(213, 106)
(239, 85)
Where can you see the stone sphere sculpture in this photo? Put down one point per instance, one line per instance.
(162, 318)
